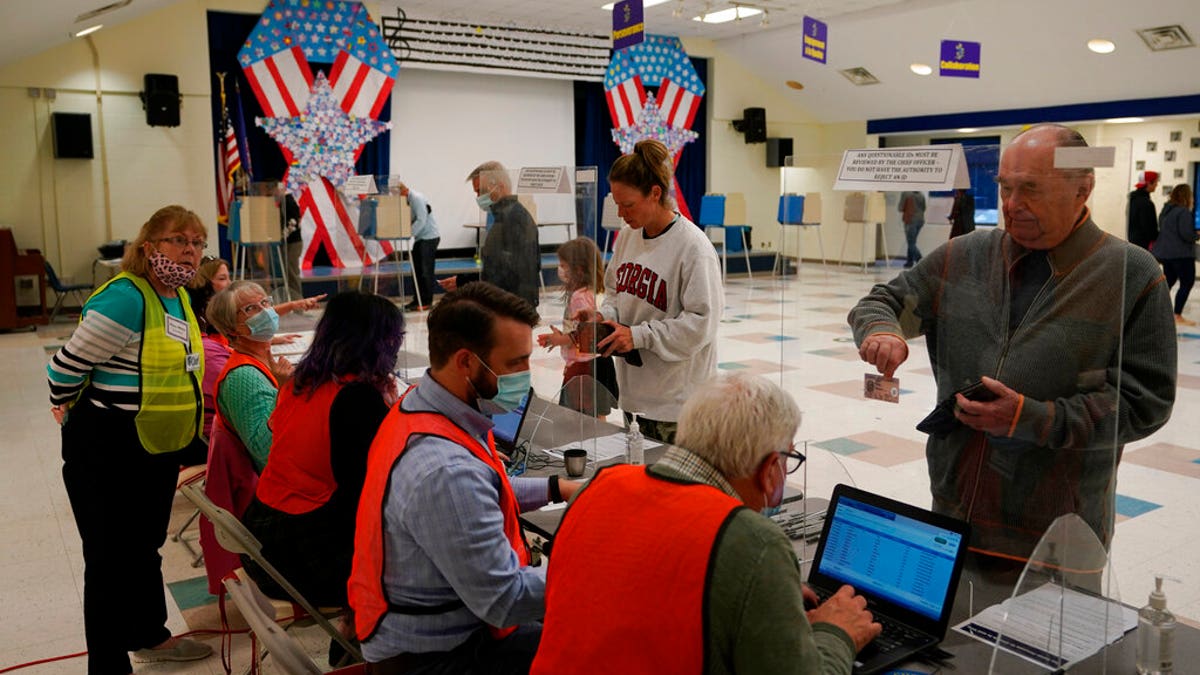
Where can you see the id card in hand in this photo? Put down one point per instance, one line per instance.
(881, 388)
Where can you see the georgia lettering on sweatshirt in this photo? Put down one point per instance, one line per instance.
(644, 283)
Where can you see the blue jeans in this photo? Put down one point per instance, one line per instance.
(911, 230)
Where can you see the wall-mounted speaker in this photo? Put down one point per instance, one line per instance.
(72, 135)
(778, 150)
(754, 125)
(161, 100)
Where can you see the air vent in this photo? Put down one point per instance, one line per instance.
(1166, 37)
(859, 76)
(102, 10)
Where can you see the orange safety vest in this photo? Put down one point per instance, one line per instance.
(628, 576)
(365, 590)
(236, 359)
(298, 478)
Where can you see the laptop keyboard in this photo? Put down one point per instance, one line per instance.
(892, 636)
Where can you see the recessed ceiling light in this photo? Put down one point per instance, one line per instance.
(90, 30)
(920, 69)
(794, 85)
(1124, 120)
(1101, 46)
(726, 15)
(967, 130)
(645, 4)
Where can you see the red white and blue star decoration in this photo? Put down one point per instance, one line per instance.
(275, 58)
(323, 140)
(659, 61)
(653, 124)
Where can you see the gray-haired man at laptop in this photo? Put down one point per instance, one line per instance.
(672, 569)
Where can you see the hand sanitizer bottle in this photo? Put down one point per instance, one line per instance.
(1155, 634)
(633, 443)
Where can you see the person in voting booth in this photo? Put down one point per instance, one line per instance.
(441, 580)
(244, 393)
(1069, 329)
(510, 257)
(324, 421)
(672, 568)
(662, 294)
(424, 249)
(126, 389)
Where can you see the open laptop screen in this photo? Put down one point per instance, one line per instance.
(893, 557)
(508, 425)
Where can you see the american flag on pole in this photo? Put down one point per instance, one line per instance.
(275, 59)
(229, 160)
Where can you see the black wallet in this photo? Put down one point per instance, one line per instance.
(942, 421)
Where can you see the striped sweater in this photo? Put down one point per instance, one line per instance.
(102, 355)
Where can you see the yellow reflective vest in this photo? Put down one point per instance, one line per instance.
(171, 407)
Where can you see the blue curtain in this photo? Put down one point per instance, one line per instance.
(227, 32)
(594, 145)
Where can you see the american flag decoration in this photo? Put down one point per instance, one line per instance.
(275, 59)
(658, 62)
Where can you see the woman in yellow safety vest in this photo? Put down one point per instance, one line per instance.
(126, 389)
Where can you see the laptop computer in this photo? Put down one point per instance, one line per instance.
(904, 560)
(508, 425)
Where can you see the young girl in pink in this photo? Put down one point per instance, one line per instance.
(581, 269)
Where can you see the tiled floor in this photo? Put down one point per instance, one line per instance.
(787, 329)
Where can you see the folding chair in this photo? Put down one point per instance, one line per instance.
(259, 613)
(187, 476)
(234, 537)
(62, 290)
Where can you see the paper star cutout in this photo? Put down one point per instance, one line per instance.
(652, 124)
(323, 140)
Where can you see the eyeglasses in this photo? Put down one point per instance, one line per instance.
(182, 241)
(255, 307)
(792, 459)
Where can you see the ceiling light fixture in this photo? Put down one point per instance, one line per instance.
(645, 4)
(90, 30)
(1101, 46)
(737, 12)
(967, 130)
(1124, 120)
(920, 69)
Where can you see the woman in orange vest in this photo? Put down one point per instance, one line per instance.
(324, 421)
(244, 393)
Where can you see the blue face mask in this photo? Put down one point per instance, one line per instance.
(768, 510)
(484, 201)
(263, 325)
(510, 390)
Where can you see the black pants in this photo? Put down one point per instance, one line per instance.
(121, 497)
(478, 655)
(424, 254)
(1182, 270)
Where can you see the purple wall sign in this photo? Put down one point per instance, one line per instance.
(628, 28)
(816, 34)
(959, 59)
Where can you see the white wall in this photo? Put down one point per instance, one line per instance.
(67, 207)
(446, 124)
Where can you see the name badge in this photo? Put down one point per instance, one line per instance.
(192, 362)
(177, 329)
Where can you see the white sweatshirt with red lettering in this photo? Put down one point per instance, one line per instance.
(668, 291)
